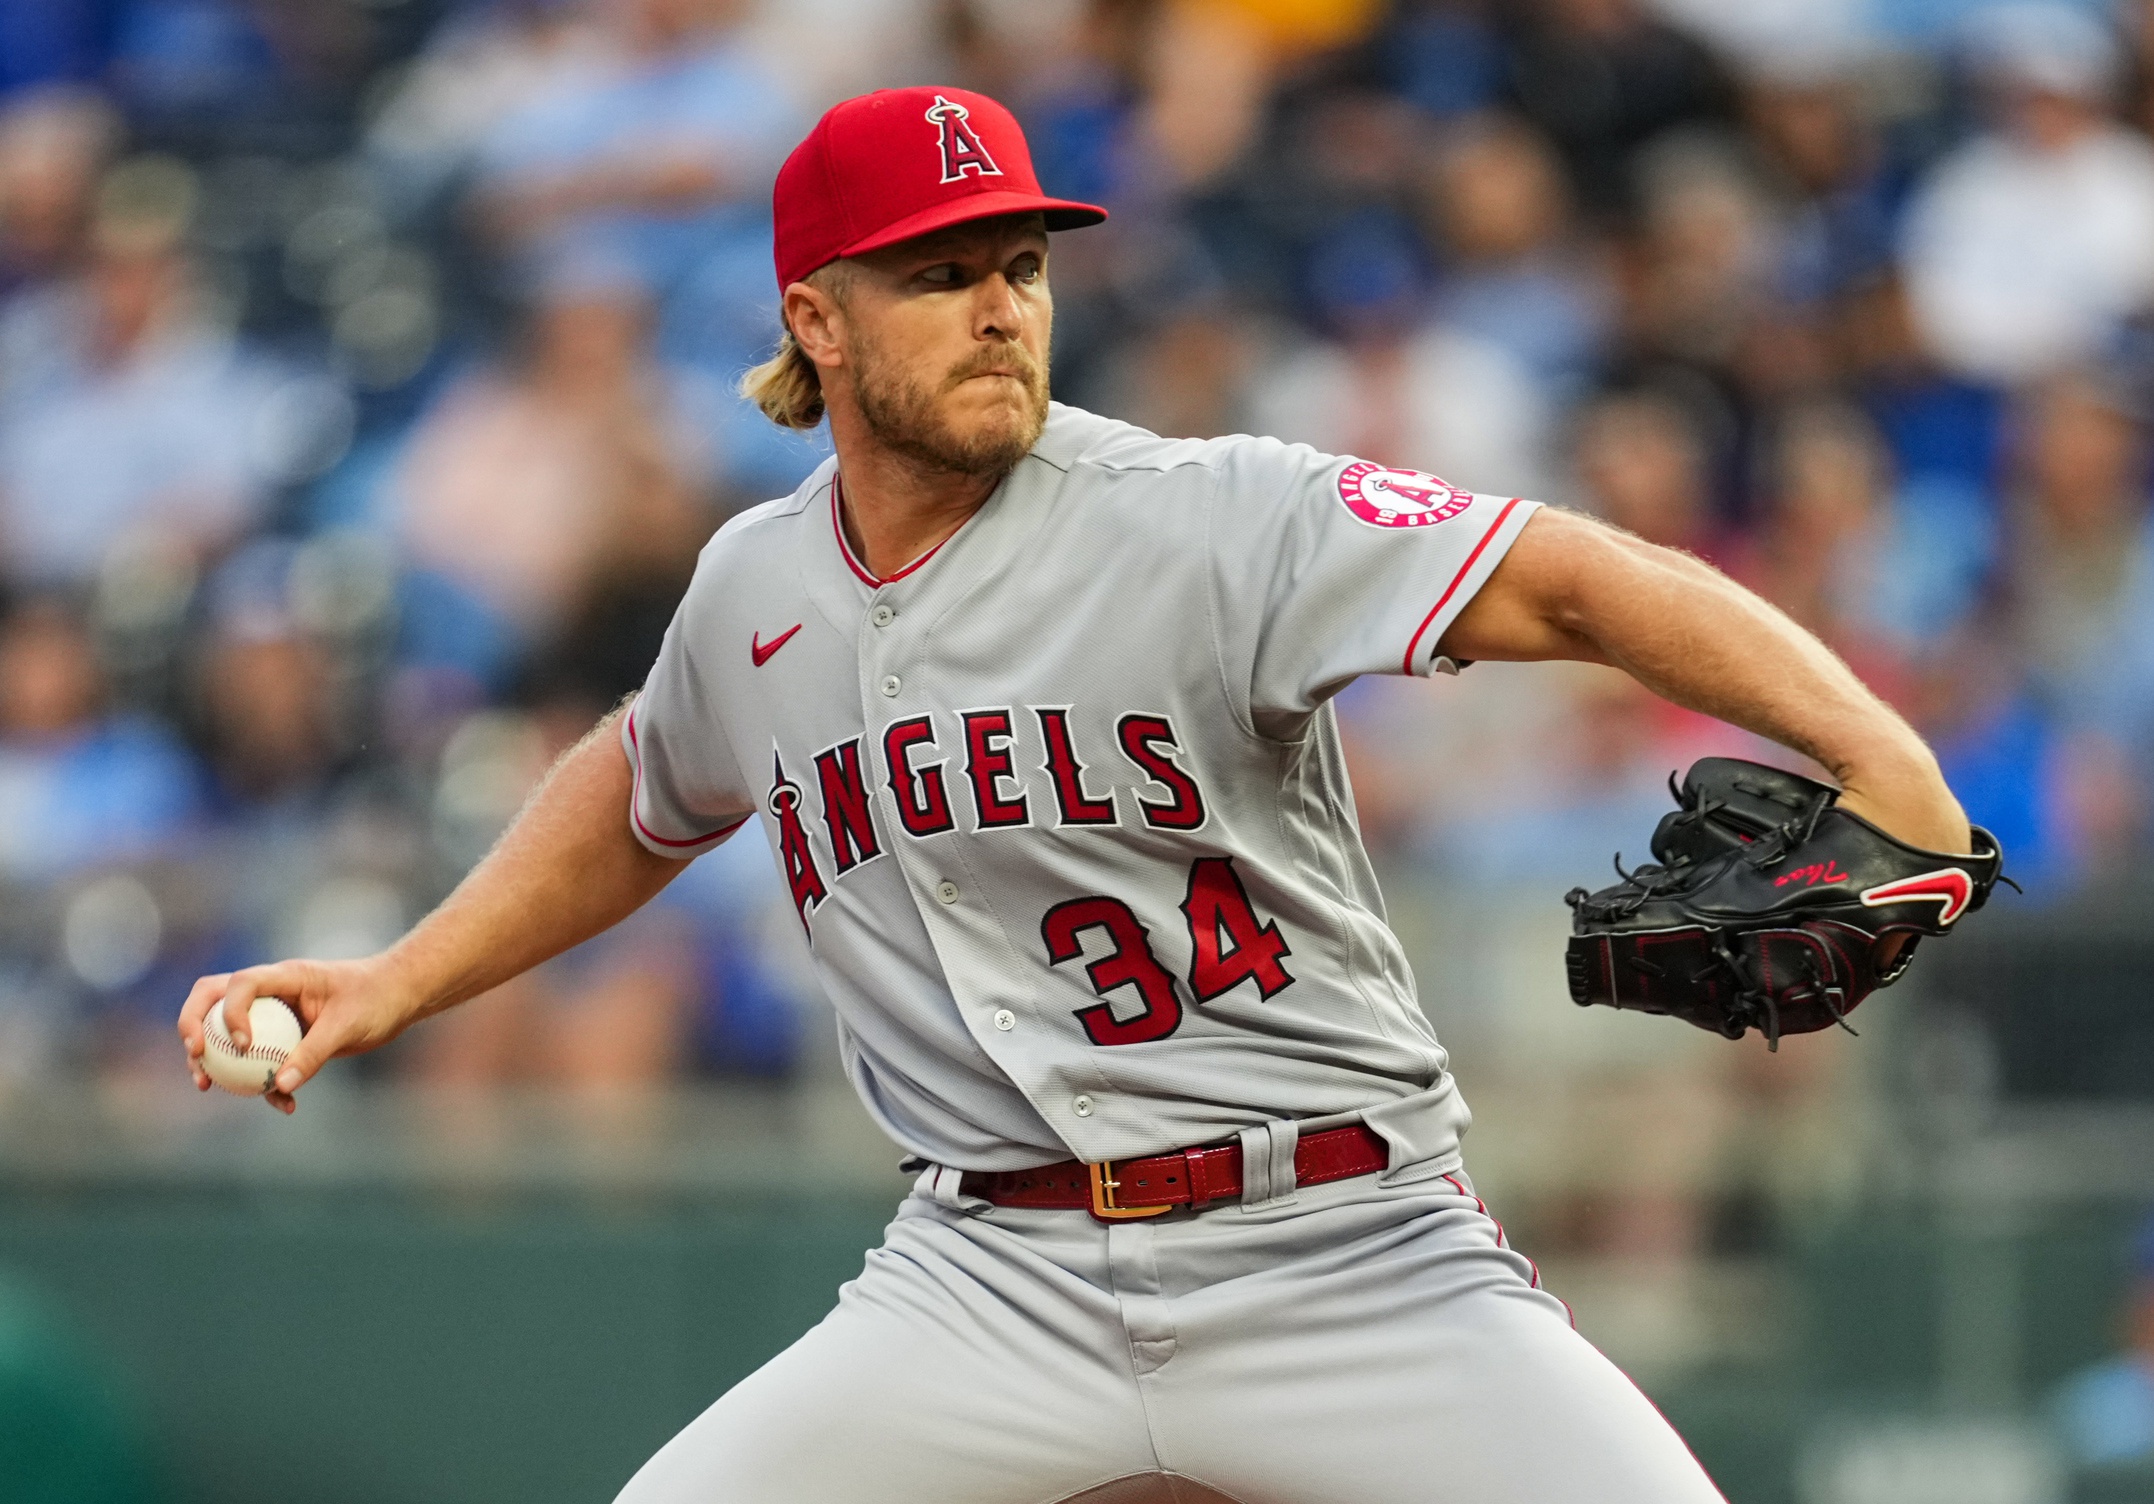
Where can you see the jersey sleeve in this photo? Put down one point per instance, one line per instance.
(1329, 568)
(689, 795)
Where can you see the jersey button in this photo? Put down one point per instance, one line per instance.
(882, 616)
(891, 685)
(1082, 1107)
(1005, 1020)
(946, 891)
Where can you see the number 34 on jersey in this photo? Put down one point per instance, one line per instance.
(1140, 999)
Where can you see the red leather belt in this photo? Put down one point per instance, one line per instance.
(1125, 1188)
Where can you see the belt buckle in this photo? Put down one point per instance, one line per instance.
(1104, 1185)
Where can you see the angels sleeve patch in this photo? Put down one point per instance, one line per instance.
(1381, 496)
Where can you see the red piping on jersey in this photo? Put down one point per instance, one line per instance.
(1457, 580)
(635, 797)
(1503, 1243)
(1664, 1421)
(837, 485)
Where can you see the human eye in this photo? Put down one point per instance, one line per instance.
(1027, 270)
(942, 274)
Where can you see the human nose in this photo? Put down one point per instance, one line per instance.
(998, 313)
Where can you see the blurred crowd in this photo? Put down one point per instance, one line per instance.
(366, 389)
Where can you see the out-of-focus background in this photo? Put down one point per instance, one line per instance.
(365, 392)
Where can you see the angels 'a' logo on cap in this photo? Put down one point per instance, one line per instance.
(1950, 889)
(1384, 497)
(962, 149)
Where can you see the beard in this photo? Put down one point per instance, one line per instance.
(905, 414)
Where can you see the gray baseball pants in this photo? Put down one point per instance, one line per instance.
(1350, 1344)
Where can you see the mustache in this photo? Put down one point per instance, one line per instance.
(1012, 358)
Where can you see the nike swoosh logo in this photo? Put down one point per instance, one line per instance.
(1951, 889)
(760, 650)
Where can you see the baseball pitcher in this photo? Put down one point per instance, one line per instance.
(1034, 709)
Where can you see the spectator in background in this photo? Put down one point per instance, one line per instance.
(1516, 274)
(1642, 465)
(80, 786)
(308, 845)
(1604, 77)
(531, 482)
(1389, 383)
(1444, 57)
(1190, 379)
(1946, 436)
(1825, 552)
(54, 145)
(1702, 281)
(2105, 1412)
(667, 136)
(608, 1019)
(2054, 801)
(221, 71)
(2083, 559)
(711, 974)
(1600, 785)
(272, 721)
(1820, 158)
(2029, 247)
(485, 65)
(645, 157)
(132, 419)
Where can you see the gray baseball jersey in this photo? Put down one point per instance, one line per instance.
(1062, 808)
(1062, 805)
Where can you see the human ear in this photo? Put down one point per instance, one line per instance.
(817, 323)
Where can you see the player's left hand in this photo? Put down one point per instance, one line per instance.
(1767, 906)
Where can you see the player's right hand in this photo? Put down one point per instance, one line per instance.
(345, 1008)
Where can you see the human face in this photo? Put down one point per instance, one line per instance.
(945, 342)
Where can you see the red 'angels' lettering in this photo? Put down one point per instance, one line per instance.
(1811, 876)
(1076, 806)
(920, 797)
(795, 855)
(987, 765)
(923, 800)
(1229, 945)
(1142, 736)
(846, 803)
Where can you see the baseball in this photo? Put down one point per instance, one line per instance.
(248, 1073)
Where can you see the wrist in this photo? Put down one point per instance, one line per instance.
(404, 983)
(1909, 801)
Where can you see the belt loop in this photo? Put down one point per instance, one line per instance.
(1268, 1164)
(1200, 1189)
(945, 1187)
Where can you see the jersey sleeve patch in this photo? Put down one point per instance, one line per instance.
(1382, 496)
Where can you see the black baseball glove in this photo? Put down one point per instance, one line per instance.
(1767, 907)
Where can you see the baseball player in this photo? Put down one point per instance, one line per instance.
(1034, 710)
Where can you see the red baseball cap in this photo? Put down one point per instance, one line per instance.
(901, 162)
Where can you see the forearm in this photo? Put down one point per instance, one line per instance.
(566, 869)
(1695, 637)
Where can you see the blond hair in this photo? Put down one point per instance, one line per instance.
(787, 386)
